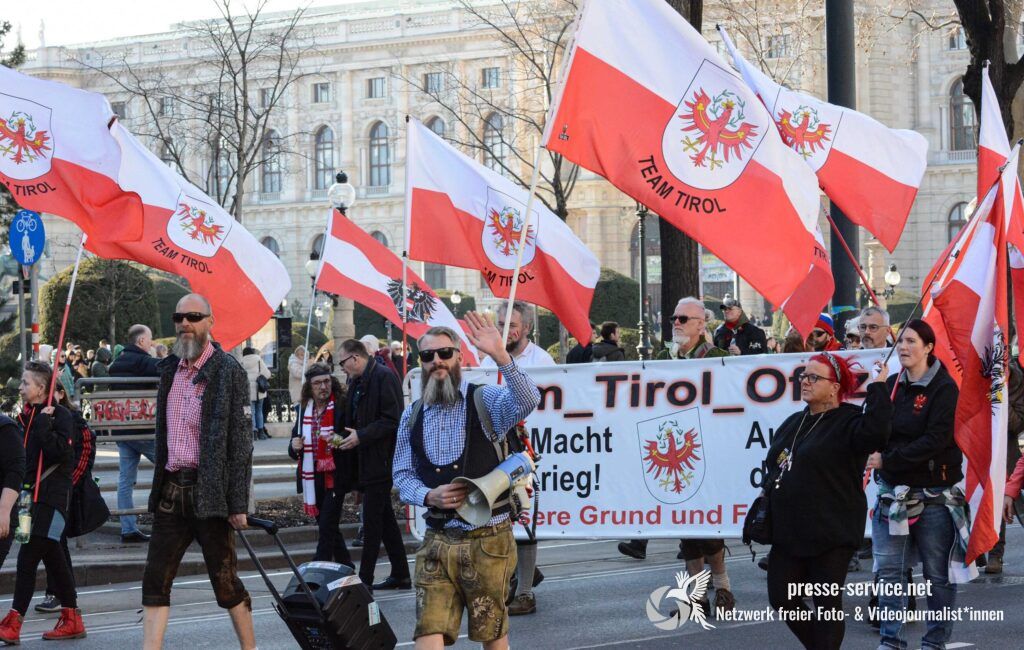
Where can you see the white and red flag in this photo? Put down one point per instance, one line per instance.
(870, 171)
(57, 155)
(461, 213)
(971, 300)
(647, 103)
(804, 307)
(357, 266)
(187, 233)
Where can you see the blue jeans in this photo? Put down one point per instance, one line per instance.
(129, 453)
(257, 414)
(932, 535)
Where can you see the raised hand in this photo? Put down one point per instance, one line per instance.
(486, 337)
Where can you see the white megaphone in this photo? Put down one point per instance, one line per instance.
(489, 488)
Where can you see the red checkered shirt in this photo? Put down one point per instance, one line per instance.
(185, 413)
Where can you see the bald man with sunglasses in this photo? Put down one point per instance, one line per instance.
(460, 567)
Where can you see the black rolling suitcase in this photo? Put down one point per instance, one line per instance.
(325, 606)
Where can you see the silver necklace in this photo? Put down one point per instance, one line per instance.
(785, 459)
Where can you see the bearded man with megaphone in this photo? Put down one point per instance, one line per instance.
(451, 443)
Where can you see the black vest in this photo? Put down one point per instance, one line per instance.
(478, 458)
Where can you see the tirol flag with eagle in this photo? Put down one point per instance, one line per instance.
(647, 103)
(187, 233)
(357, 266)
(870, 171)
(461, 213)
(970, 298)
(57, 155)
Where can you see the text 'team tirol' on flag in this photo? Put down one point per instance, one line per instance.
(187, 233)
(647, 103)
(870, 171)
(971, 301)
(460, 213)
(57, 155)
(357, 266)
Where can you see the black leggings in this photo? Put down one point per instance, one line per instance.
(51, 582)
(829, 568)
(52, 556)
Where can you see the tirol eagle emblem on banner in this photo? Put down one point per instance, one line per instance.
(504, 220)
(26, 144)
(713, 132)
(420, 304)
(671, 451)
(807, 127)
(197, 226)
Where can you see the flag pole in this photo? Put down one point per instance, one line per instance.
(64, 319)
(312, 297)
(853, 260)
(522, 241)
(405, 264)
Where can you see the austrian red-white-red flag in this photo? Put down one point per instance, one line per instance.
(810, 298)
(870, 171)
(647, 103)
(57, 155)
(187, 233)
(357, 266)
(971, 300)
(461, 213)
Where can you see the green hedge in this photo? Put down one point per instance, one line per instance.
(110, 296)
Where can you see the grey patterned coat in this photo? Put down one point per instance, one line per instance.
(225, 446)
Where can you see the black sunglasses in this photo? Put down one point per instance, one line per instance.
(682, 320)
(426, 356)
(190, 316)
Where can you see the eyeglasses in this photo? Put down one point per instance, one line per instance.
(326, 381)
(817, 333)
(682, 320)
(811, 378)
(869, 327)
(345, 360)
(426, 356)
(190, 316)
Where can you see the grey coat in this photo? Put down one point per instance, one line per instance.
(225, 446)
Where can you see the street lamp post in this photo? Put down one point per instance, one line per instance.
(456, 300)
(643, 347)
(892, 280)
(342, 196)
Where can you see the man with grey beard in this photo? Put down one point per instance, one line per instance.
(203, 467)
(873, 327)
(440, 437)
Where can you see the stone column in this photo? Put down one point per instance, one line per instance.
(876, 269)
(343, 325)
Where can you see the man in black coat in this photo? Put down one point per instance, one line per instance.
(737, 334)
(12, 474)
(134, 361)
(373, 410)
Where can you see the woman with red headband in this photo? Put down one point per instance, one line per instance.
(814, 486)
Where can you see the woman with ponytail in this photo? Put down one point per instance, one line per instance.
(815, 490)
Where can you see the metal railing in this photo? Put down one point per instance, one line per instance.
(115, 405)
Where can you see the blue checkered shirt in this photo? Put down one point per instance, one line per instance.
(444, 432)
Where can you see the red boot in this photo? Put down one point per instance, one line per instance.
(10, 628)
(69, 626)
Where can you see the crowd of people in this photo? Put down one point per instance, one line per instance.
(353, 434)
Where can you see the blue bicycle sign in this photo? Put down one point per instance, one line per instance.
(27, 237)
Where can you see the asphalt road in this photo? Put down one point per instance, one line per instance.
(592, 598)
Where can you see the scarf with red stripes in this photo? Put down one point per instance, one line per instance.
(317, 454)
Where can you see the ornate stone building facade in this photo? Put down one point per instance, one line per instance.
(348, 114)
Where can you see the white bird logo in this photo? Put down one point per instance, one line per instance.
(689, 593)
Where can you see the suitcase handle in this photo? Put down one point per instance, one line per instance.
(265, 524)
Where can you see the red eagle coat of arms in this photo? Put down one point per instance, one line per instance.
(671, 451)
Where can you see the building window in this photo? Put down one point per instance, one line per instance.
(379, 236)
(270, 168)
(323, 159)
(777, 46)
(495, 148)
(957, 39)
(375, 87)
(266, 96)
(318, 247)
(271, 245)
(380, 156)
(433, 83)
(962, 121)
(433, 275)
(436, 124)
(167, 156)
(321, 92)
(120, 109)
(957, 219)
(166, 106)
(490, 78)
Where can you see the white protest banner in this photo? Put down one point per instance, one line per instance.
(651, 449)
